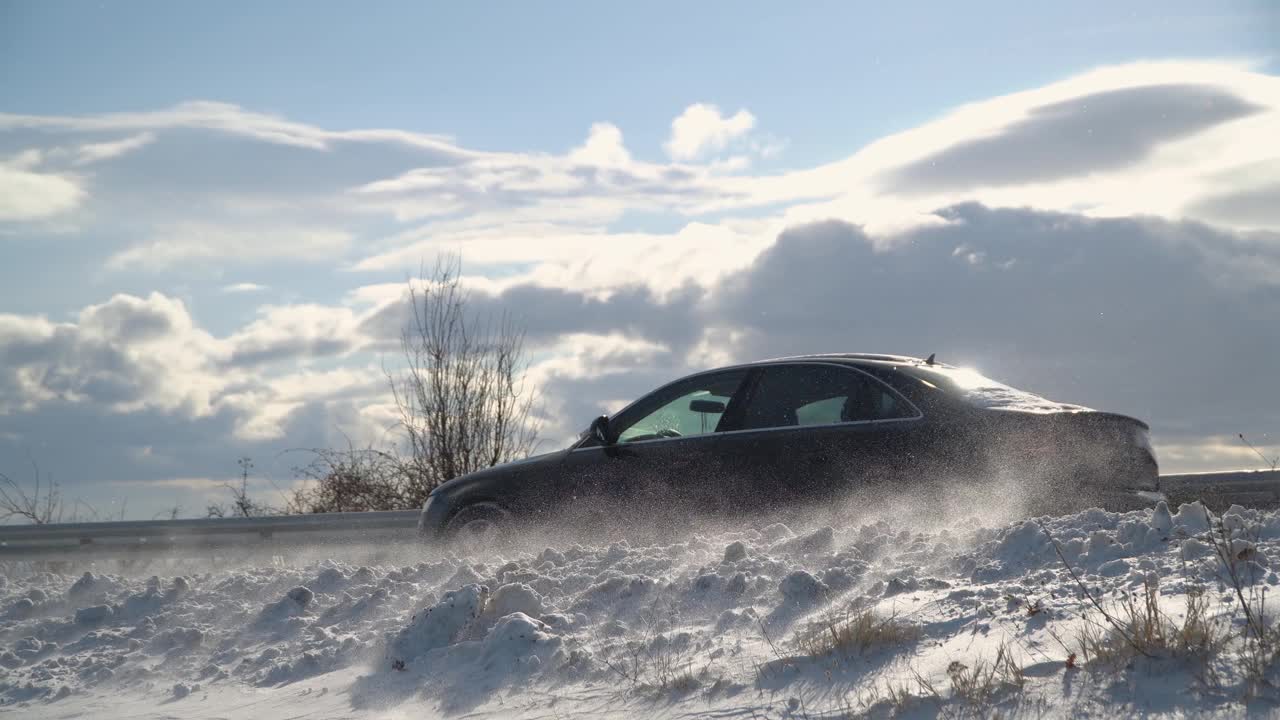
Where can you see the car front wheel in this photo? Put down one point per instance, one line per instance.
(478, 528)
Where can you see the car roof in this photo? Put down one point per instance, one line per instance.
(851, 358)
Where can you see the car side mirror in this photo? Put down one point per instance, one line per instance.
(706, 407)
(600, 430)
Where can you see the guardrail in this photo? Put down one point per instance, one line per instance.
(68, 541)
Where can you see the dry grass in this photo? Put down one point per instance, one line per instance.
(1138, 626)
(980, 684)
(893, 699)
(975, 688)
(1260, 638)
(855, 632)
(662, 662)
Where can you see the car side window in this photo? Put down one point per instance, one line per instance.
(794, 395)
(690, 407)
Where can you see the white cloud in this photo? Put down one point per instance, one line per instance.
(175, 247)
(603, 147)
(1163, 155)
(230, 119)
(27, 195)
(1174, 133)
(124, 355)
(97, 152)
(266, 411)
(1174, 140)
(295, 331)
(136, 355)
(702, 129)
(588, 258)
(243, 287)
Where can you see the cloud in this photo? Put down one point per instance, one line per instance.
(97, 152)
(179, 245)
(243, 287)
(1090, 133)
(1109, 312)
(1120, 314)
(26, 195)
(603, 147)
(226, 118)
(126, 354)
(133, 354)
(702, 129)
(549, 314)
(593, 184)
(133, 320)
(293, 332)
(1178, 140)
(587, 258)
(1142, 138)
(1123, 314)
(1255, 206)
(134, 390)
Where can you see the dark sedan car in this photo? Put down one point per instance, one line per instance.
(794, 431)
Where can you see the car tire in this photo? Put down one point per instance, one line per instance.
(477, 528)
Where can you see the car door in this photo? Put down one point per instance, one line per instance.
(806, 431)
(664, 459)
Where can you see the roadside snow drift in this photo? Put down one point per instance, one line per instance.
(1093, 614)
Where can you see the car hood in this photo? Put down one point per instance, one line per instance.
(504, 470)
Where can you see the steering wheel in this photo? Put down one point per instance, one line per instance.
(668, 433)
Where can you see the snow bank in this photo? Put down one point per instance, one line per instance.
(704, 623)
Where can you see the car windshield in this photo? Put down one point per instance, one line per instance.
(978, 390)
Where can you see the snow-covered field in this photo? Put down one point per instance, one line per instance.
(969, 617)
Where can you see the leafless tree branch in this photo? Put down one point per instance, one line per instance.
(462, 397)
(462, 401)
(41, 507)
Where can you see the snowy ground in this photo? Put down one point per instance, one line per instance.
(705, 625)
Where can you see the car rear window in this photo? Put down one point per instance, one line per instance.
(976, 389)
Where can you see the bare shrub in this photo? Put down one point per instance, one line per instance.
(462, 405)
(41, 507)
(242, 504)
(855, 632)
(355, 480)
(462, 396)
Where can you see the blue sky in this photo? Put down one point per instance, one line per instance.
(532, 75)
(208, 211)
